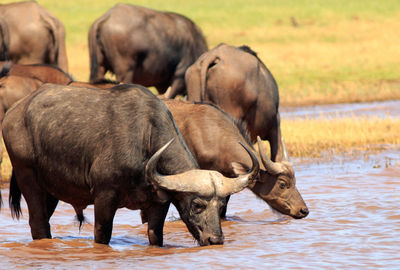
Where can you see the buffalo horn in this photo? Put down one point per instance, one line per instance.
(183, 182)
(233, 185)
(273, 168)
(203, 182)
(151, 166)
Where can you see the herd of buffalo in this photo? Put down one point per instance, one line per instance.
(115, 144)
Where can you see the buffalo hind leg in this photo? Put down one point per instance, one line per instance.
(37, 200)
(105, 207)
(51, 205)
(156, 216)
(274, 138)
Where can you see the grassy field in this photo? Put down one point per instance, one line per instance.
(320, 51)
(318, 138)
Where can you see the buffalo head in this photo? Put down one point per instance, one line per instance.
(276, 185)
(199, 195)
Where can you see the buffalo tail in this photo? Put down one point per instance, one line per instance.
(15, 197)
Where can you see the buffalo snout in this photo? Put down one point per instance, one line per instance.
(303, 212)
(299, 213)
(212, 240)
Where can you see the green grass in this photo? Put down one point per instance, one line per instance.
(310, 46)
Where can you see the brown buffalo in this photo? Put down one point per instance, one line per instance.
(43, 72)
(236, 80)
(212, 137)
(12, 89)
(144, 46)
(31, 34)
(4, 40)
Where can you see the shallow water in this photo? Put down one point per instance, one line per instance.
(354, 222)
(375, 109)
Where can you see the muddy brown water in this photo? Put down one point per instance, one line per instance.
(354, 222)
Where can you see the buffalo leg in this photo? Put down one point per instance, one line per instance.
(36, 199)
(156, 216)
(51, 205)
(225, 207)
(105, 206)
(177, 87)
(274, 138)
(274, 144)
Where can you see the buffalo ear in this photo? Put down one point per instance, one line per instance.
(239, 168)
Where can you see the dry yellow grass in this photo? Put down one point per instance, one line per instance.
(322, 137)
(348, 61)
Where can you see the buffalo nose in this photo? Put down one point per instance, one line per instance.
(215, 240)
(304, 211)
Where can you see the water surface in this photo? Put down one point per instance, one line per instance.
(354, 222)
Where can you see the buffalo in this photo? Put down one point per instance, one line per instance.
(13, 88)
(235, 79)
(145, 46)
(43, 72)
(212, 137)
(31, 35)
(17, 81)
(113, 148)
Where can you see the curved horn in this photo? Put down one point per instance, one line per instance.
(196, 181)
(233, 185)
(204, 182)
(273, 168)
(151, 166)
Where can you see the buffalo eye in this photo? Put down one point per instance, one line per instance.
(198, 206)
(282, 185)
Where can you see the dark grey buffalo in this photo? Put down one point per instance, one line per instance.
(236, 80)
(30, 34)
(144, 46)
(111, 148)
(212, 137)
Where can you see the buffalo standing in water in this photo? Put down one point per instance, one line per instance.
(110, 148)
(212, 137)
(236, 80)
(30, 35)
(144, 46)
